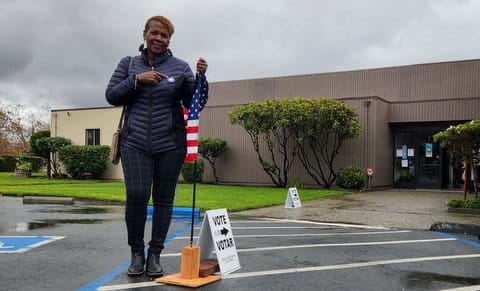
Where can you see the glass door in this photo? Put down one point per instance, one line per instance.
(404, 160)
(428, 161)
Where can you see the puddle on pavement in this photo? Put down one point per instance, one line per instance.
(77, 210)
(424, 279)
(25, 226)
(349, 204)
(181, 218)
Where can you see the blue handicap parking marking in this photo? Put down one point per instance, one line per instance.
(20, 244)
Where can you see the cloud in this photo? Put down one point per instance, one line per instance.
(61, 54)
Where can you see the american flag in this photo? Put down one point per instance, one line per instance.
(199, 100)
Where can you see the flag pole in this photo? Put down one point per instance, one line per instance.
(190, 259)
(193, 200)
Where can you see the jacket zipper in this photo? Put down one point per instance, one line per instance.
(149, 132)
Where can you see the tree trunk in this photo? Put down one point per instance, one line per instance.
(465, 178)
(49, 168)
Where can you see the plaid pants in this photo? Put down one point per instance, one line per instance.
(154, 175)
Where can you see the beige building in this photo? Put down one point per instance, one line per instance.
(88, 126)
(400, 108)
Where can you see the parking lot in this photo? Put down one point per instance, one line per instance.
(86, 250)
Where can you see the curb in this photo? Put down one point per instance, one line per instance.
(464, 210)
(47, 200)
(449, 227)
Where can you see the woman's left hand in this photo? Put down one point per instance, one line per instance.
(202, 66)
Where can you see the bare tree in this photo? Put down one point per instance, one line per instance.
(17, 123)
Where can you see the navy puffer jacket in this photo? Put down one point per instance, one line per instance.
(154, 117)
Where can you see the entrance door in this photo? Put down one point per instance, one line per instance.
(404, 160)
(420, 163)
(428, 161)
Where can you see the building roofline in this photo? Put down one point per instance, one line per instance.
(350, 71)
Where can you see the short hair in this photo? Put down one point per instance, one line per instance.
(163, 20)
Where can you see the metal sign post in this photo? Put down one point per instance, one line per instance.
(369, 174)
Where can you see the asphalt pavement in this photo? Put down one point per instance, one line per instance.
(362, 241)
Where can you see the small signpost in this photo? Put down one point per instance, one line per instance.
(293, 199)
(216, 233)
(369, 174)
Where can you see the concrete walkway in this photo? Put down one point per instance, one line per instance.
(411, 209)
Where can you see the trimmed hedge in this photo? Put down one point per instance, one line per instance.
(7, 163)
(351, 177)
(460, 203)
(83, 162)
(188, 171)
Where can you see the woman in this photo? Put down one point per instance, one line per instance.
(153, 86)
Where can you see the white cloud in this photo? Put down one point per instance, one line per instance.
(61, 53)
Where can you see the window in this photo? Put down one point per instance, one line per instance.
(92, 136)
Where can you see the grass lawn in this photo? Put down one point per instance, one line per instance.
(233, 198)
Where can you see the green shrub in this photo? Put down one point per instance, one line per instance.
(34, 146)
(351, 177)
(211, 148)
(460, 203)
(297, 183)
(24, 167)
(7, 163)
(84, 161)
(36, 162)
(188, 171)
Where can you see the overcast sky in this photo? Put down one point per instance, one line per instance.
(61, 53)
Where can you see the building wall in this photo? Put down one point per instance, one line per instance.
(72, 123)
(435, 110)
(446, 91)
(435, 81)
(416, 93)
(382, 140)
(239, 164)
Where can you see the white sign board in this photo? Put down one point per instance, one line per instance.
(293, 199)
(399, 153)
(216, 233)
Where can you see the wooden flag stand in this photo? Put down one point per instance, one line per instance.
(189, 271)
(189, 275)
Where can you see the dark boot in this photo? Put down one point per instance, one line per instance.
(153, 265)
(138, 261)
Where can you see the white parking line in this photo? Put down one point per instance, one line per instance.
(129, 286)
(315, 225)
(327, 223)
(253, 221)
(348, 244)
(278, 220)
(310, 234)
(469, 288)
(374, 243)
(309, 269)
(276, 227)
(347, 266)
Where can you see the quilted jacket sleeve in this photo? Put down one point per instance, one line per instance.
(121, 88)
(188, 87)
